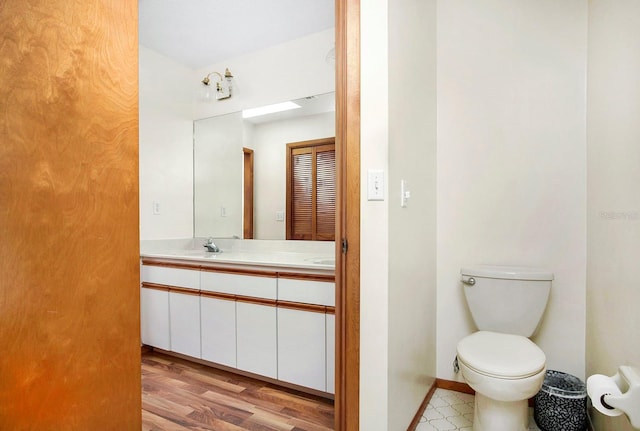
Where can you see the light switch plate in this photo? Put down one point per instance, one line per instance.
(375, 185)
(405, 194)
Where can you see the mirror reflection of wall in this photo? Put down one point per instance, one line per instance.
(286, 64)
(267, 136)
(217, 176)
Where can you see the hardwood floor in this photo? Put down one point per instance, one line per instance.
(179, 395)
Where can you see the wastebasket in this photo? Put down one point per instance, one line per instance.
(561, 404)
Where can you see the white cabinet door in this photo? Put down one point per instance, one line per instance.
(184, 314)
(256, 338)
(154, 318)
(218, 325)
(301, 348)
(331, 353)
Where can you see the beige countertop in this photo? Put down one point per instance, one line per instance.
(273, 254)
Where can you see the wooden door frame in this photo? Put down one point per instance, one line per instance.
(247, 193)
(347, 388)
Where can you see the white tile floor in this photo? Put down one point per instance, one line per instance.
(450, 411)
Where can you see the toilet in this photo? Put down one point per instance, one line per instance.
(499, 361)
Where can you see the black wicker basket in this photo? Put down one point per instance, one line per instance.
(561, 404)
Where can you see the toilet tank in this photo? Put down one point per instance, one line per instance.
(506, 299)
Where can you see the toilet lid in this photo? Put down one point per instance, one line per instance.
(501, 355)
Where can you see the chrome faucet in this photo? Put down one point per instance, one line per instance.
(211, 246)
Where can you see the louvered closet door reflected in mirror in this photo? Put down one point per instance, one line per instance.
(311, 190)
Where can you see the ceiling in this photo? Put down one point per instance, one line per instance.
(197, 33)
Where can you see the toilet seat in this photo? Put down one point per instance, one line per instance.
(504, 356)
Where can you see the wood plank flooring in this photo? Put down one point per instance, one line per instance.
(179, 395)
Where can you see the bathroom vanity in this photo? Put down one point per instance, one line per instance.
(266, 311)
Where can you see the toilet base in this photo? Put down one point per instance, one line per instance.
(493, 415)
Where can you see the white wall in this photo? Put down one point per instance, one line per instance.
(412, 230)
(613, 285)
(374, 219)
(166, 152)
(512, 160)
(269, 142)
(283, 72)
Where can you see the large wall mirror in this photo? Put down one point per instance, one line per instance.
(221, 145)
(277, 51)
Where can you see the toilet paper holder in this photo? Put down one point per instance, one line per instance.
(627, 400)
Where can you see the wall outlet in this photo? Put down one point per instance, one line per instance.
(279, 215)
(156, 207)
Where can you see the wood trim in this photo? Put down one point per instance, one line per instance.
(184, 290)
(307, 277)
(247, 196)
(258, 301)
(416, 419)
(452, 385)
(239, 271)
(208, 268)
(301, 306)
(330, 310)
(312, 143)
(167, 264)
(288, 193)
(348, 215)
(218, 295)
(155, 286)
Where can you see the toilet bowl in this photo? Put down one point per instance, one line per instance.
(499, 361)
(505, 370)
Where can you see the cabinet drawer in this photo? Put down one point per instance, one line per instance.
(309, 292)
(170, 276)
(245, 285)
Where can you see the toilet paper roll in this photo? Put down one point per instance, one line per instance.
(597, 387)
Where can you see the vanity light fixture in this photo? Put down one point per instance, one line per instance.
(222, 85)
(269, 109)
